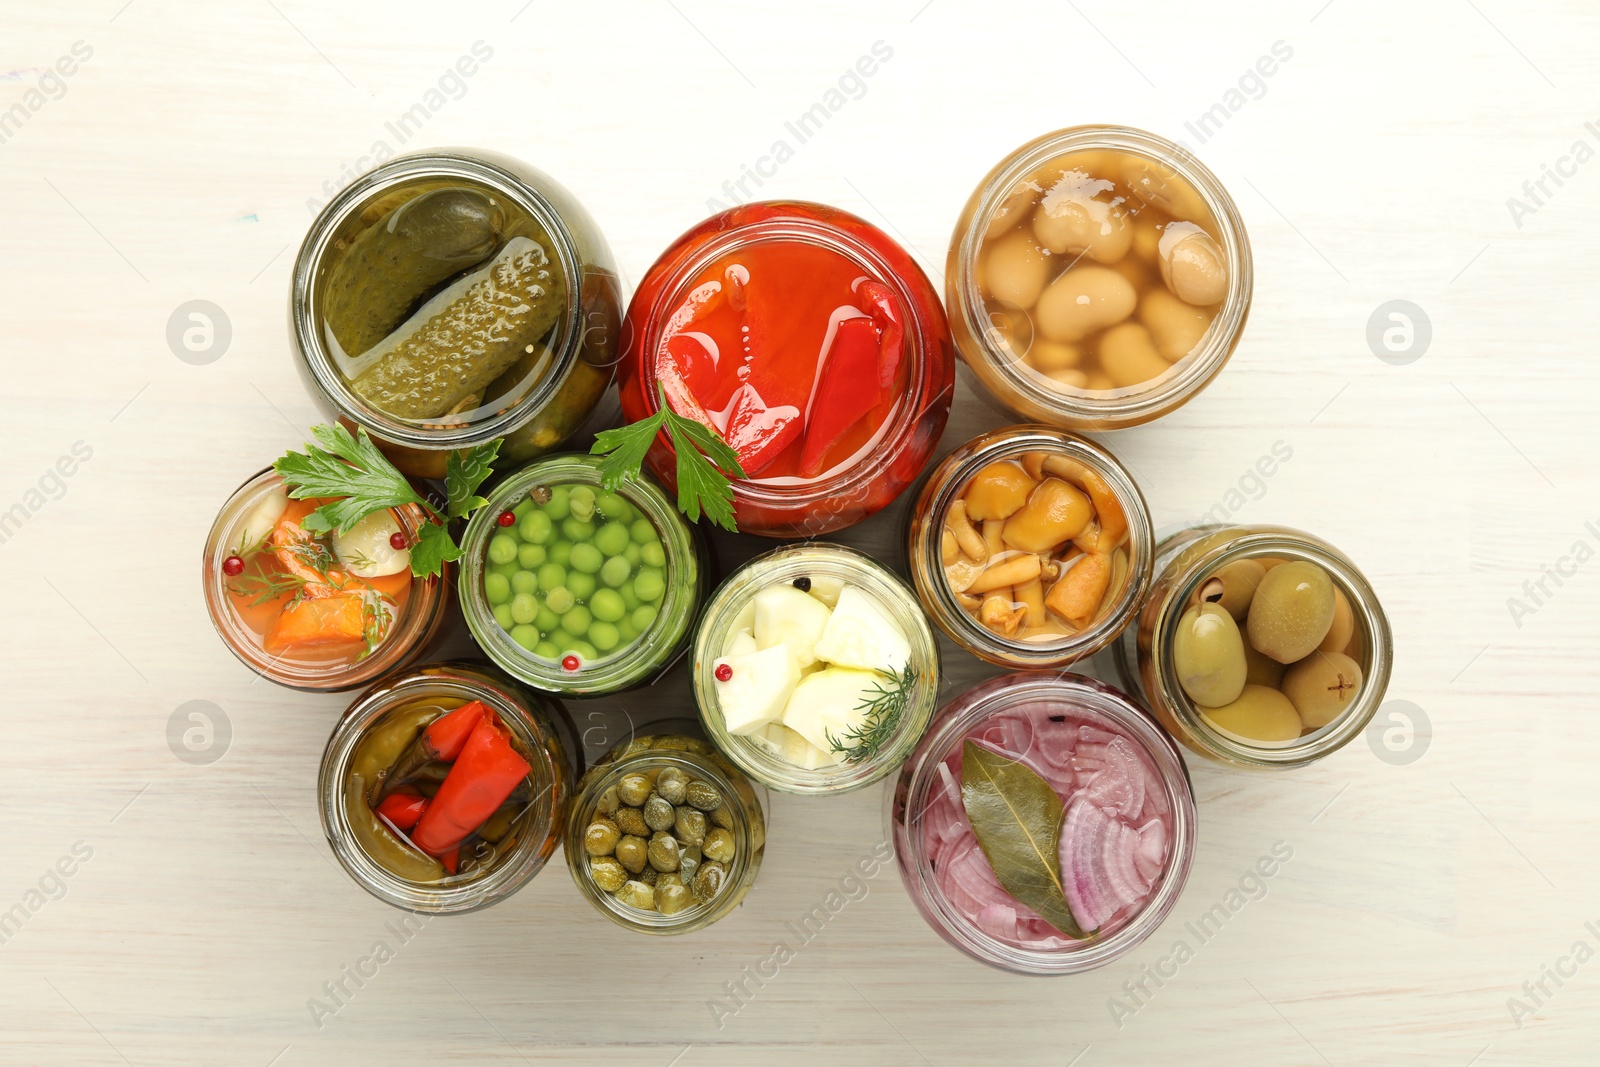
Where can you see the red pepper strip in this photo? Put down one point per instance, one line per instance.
(884, 307)
(451, 860)
(402, 809)
(487, 772)
(441, 740)
(847, 391)
(759, 433)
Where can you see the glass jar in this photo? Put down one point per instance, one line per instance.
(1051, 723)
(825, 569)
(1034, 365)
(826, 271)
(740, 817)
(461, 230)
(1185, 561)
(1027, 457)
(540, 734)
(640, 609)
(244, 607)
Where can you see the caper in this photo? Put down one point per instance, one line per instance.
(1292, 611)
(719, 845)
(1208, 654)
(607, 873)
(631, 821)
(601, 837)
(607, 802)
(1322, 686)
(723, 817)
(689, 825)
(708, 880)
(663, 852)
(704, 795)
(672, 785)
(634, 789)
(658, 813)
(631, 853)
(637, 895)
(649, 875)
(689, 860)
(671, 899)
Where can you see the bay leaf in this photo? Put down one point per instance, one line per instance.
(1016, 818)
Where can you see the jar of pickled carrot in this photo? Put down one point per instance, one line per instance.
(812, 343)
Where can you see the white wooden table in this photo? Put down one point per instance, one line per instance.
(182, 159)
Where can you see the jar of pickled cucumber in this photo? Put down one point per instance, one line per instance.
(449, 298)
(1099, 277)
(665, 835)
(1031, 547)
(1258, 646)
(438, 825)
(577, 590)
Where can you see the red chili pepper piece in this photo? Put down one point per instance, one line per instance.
(480, 780)
(442, 740)
(884, 307)
(452, 860)
(848, 391)
(402, 809)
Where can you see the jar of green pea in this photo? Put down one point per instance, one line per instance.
(578, 590)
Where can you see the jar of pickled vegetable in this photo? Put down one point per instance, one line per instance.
(815, 669)
(577, 590)
(1044, 825)
(450, 298)
(1099, 277)
(812, 343)
(443, 789)
(318, 611)
(665, 836)
(1259, 646)
(1031, 547)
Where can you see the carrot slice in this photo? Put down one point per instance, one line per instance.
(317, 623)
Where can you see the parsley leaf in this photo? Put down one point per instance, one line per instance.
(703, 457)
(433, 550)
(348, 467)
(463, 475)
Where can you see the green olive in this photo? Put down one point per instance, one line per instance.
(1292, 611)
(708, 880)
(658, 813)
(671, 899)
(1260, 668)
(631, 821)
(637, 895)
(632, 853)
(1260, 714)
(663, 852)
(1322, 687)
(1342, 630)
(703, 795)
(673, 785)
(1208, 654)
(719, 845)
(1232, 586)
(607, 873)
(634, 789)
(601, 837)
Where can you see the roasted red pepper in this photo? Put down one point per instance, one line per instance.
(884, 307)
(403, 809)
(482, 777)
(847, 392)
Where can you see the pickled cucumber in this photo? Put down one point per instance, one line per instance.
(463, 339)
(393, 264)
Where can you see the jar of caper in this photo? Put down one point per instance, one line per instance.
(665, 835)
(1259, 646)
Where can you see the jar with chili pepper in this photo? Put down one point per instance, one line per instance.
(312, 611)
(665, 835)
(442, 790)
(812, 343)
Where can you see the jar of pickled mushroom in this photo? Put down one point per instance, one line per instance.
(665, 836)
(450, 298)
(812, 343)
(1099, 277)
(577, 590)
(1045, 825)
(1031, 547)
(443, 789)
(318, 611)
(1259, 646)
(815, 669)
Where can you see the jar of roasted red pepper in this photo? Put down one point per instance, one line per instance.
(444, 789)
(812, 343)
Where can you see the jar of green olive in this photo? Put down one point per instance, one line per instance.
(576, 589)
(496, 858)
(1259, 646)
(1031, 547)
(665, 836)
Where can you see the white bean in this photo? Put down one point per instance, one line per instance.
(1084, 299)
(1176, 326)
(1013, 209)
(1015, 270)
(1050, 356)
(1070, 220)
(1158, 184)
(1129, 356)
(1192, 265)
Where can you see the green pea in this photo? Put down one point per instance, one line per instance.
(496, 588)
(576, 529)
(607, 605)
(524, 582)
(561, 552)
(649, 584)
(614, 507)
(643, 530)
(524, 608)
(615, 571)
(505, 570)
(587, 558)
(604, 636)
(581, 501)
(502, 548)
(531, 555)
(547, 620)
(558, 507)
(577, 620)
(522, 509)
(547, 650)
(526, 636)
(629, 597)
(631, 554)
(643, 616)
(628, 630)
(582, 493)
(611, 539)
(535, 527)
(560, 600)
(581, 584)
(653, 555)
(584, 649)
(502, 615)
(552, 575)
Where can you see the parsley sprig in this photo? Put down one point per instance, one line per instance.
(703, 457)
(885, 706)
(351, 468)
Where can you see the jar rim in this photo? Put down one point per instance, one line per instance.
(1148, 399)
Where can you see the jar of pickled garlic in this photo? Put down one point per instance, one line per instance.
(807, 339)
(444, 789)
(1031, 547)
(1099, 277)
(1258, 646)
(450, 298)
